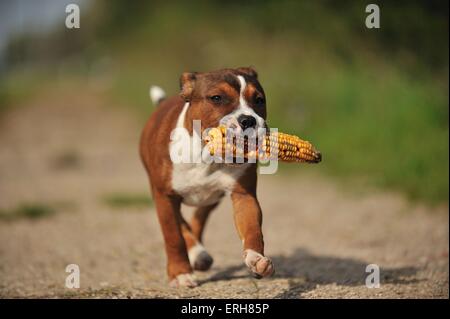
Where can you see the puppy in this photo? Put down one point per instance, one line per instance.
(232, 96)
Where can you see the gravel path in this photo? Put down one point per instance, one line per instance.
(70, 151)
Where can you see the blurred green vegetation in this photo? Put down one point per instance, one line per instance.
(34, 210)
(375, 102)
(126, 200)
(27, 211)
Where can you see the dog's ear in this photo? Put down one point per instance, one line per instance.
(187, 83)
(248, 71)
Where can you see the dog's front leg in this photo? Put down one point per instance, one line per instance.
(169, 215)
(248, 220)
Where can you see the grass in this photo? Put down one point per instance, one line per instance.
(16, 88)
(32, 211)
(384, 127)
(127, 200)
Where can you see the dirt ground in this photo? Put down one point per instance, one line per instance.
(320, 237)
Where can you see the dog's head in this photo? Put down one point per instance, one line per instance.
(231, 97)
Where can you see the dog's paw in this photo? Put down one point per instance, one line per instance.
(184, 280)
(259, 265)
(199, 258)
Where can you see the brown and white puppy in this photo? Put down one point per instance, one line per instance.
(233, 96)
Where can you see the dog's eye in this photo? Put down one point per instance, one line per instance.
(259, 100)
(216, 98)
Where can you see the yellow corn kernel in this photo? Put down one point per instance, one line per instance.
(276, 145)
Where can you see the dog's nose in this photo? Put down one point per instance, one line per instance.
(246, 121)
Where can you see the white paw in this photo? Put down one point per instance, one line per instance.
(199, 258)
(184, 280)
(258, 264)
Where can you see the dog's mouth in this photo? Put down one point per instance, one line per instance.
(235, 164)
(234, 147)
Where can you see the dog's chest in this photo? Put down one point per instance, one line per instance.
(199, 183)
(204, 184)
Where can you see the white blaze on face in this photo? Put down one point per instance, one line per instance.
(243, 83)
(243, 108)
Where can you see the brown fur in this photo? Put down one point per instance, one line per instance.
(196, 88)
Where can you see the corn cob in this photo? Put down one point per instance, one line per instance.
(274, 145)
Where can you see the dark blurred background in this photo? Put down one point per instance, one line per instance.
(374, 101)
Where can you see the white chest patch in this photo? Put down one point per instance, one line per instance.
(202, 184)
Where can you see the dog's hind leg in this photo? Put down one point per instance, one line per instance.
(199, 219)
(199, 258)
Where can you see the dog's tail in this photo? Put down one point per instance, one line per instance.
(156, 94)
